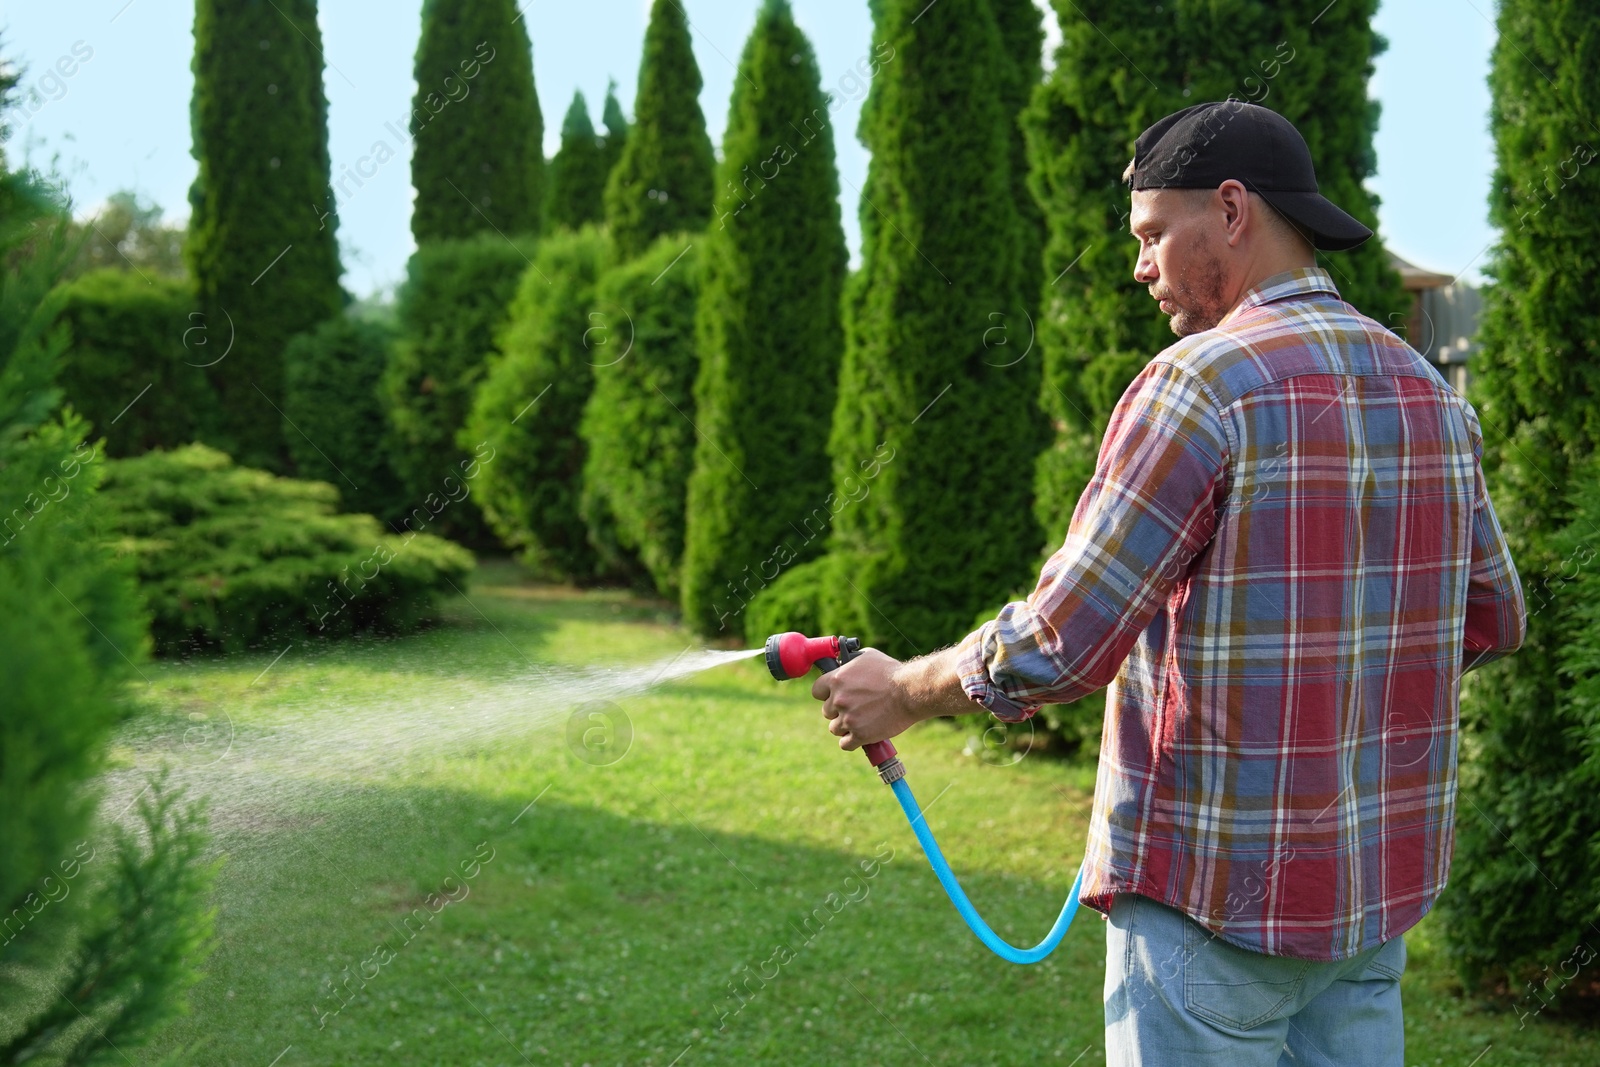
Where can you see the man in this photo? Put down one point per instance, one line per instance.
(1283, 565)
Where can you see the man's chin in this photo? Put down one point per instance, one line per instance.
(1185, 323)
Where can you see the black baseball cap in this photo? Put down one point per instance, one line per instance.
(1203, 146)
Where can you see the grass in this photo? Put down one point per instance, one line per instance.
(586, 914)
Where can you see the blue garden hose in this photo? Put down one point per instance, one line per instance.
(941, 870)
(792, 655)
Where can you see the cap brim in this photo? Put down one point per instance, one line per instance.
(1332, 229)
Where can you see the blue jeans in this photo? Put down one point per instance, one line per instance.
(1176, 994)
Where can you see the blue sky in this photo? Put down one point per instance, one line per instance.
(121, 120)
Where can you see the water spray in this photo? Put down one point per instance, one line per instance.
(792, 655)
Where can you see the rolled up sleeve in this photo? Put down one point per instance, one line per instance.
(1146, 515)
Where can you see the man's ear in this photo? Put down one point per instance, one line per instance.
(1235, 199)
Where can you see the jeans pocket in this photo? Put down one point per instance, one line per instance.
(1389, 961)
(1233, 987)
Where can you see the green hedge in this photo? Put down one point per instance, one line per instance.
(127, 370)
(530, 402)
(770, 334)
(616, 138)
(638, 424)
(477, 157)
(924, 373)
(575, 193)
(661, 182)
(261, 247)
(1021, 26)
(451, 307)
(1524, 890)
(334, 416)
(230, 557)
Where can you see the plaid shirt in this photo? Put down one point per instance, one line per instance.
(1283, 565)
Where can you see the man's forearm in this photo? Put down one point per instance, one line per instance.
(931, 686)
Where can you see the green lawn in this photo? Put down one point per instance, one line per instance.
(609, 922)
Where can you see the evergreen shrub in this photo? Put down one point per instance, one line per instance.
(661, 182)
(532, 398)
(261, 245)
(770, 335)
(451, 308)
(1524, 897)
(638, 425)
(231, 558)
(335, 419)
(127, 370)
(477, 157)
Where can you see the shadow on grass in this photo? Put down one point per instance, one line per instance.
(431, 926)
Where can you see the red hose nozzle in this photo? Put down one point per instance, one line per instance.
(792, 655)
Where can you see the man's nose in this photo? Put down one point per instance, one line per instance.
(1144, 271)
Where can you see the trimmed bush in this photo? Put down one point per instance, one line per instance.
(770, 336)
(638, 424)
(232, 558)
(925, 392)
(662, 181)
(578, 173)
(1524, 892)
(334, 414)
(451, 307)
(532, 398)
(127, 369)
(261, 242)
(477, 158)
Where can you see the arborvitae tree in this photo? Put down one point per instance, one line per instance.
(261, 243)
(477, 157)
(662, 182)
(769, 327)
(1022, 36)
(451, 308)
(929, 404)
(1525, 888)
(616, 129)
(576, 192)
(639, 424)
(338, 427)
(532, 397)
(1117, 70)
(124, 372)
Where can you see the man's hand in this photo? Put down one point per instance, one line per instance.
(874, 697)
(863, 701)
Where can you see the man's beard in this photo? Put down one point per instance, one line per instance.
(1197, 297)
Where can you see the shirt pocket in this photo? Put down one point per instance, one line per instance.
(1235, 988)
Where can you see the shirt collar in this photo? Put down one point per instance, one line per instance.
(1301, 281)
